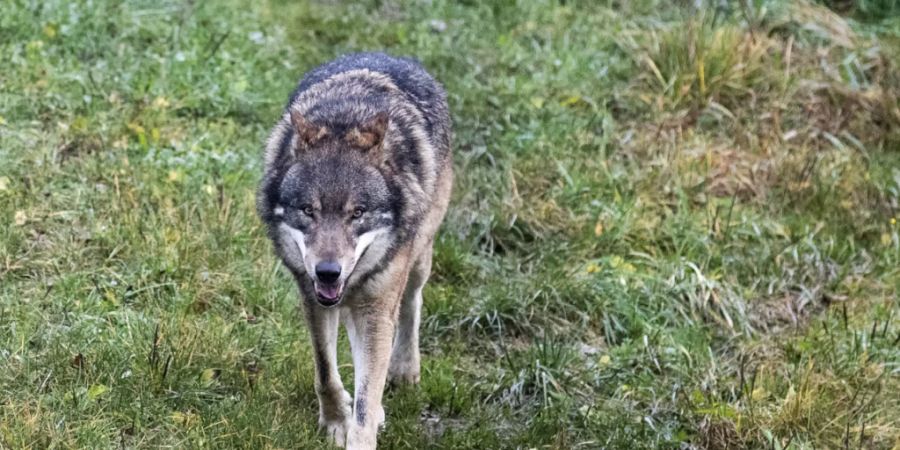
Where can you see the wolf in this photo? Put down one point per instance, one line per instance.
(357, 179)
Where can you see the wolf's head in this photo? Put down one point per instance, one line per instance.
(334, 204)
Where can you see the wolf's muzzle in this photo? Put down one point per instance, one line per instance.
(328, 285)
(328, 272)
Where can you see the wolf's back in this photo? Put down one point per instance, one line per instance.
(420, 88)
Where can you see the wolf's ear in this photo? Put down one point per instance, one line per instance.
(308, 133)
(370, 134)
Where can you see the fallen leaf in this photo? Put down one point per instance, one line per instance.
(209, 375)
(759, 394)
(78, 361)
(160, 102)
(50, 30)
(96, 391)
(187, 419)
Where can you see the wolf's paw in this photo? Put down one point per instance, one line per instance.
(403, 374)
(335, 431)
(362, 438)
(334, 422)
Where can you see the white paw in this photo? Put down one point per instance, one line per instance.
(335, 431)
(403, 373)
(335, 422)
(362, 438)
(365, 437)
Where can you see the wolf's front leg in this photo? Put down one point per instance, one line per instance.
(334, 402)
(370, 330)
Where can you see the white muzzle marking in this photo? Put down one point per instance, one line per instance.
(364, 241)
(299, 238)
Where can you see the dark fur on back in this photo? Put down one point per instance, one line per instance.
(421, 89)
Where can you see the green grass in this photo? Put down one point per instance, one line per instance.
(671, 228)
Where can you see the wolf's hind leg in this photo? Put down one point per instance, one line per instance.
(335, 404)
(405, 359)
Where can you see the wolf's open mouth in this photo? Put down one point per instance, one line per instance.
(329, 294)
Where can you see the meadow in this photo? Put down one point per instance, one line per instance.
(674, 224)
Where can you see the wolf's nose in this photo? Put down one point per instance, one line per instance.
(328, 272)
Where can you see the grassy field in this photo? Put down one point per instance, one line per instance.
(674, 226)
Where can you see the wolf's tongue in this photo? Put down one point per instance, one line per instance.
(329, 292)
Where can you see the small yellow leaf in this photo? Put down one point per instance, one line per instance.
(571, 100)
(187, 419)
(50, 30)
(21, 218)
(598, 229)
(208, 375)
(80, 123)
(759, 394)
(160, 102)
(885, 237)
(136, 128)
(537, 102)
(592, 268)
(110, 296)
(96, 391)
(893, 221)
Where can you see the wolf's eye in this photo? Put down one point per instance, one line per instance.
(358, 212)
(307, 210)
